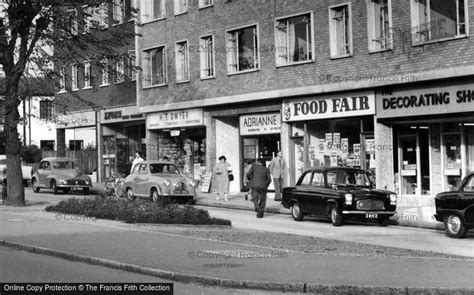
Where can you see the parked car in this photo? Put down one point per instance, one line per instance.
(27, 171)
(60, 173)
(339, 193)
(456, 208)
(155, 179)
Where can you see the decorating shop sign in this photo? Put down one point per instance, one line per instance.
(329, 106)
(254, 124)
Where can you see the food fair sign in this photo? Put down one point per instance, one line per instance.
(260, 124)
(175, 119)
(329, 106)
(429, 100)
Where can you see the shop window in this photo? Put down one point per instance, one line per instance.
(207, 57)
(205, 3)
(152, 10)
(46, 110)
(182, 62)
(242, 50)
(469, 142)
(47, 145)
(154, 67)
(294, 40)
(379, 24)
(340, 31)
(74, 77)
(180, 6)
(438, 19)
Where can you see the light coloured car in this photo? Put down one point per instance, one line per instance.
(26, 171)
(156, 179)
(60, 173)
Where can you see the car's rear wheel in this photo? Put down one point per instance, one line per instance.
(383, 222)
(154, 195)
(54, 187)
(296, 212)
(36, 188)
(455, 227)
(130, 195)
(336, 216)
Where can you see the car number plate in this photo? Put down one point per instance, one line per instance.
(371, 215)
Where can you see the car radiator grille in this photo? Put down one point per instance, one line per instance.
(76, 182)
(180, 189)
(370, 205)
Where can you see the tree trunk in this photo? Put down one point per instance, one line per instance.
(15, 189)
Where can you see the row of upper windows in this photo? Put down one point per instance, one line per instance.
(123, 66)
(294, 38)
(156, 9)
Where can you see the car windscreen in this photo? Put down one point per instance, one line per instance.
(64, 165)
(349, 177)
(163, 168)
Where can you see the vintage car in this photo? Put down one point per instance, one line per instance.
(26, 171)
(456, 208)
(156, 179)
(59, 173)
(339, 193)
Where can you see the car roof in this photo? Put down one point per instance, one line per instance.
(332, 168)
(58, 159)
(156, 162)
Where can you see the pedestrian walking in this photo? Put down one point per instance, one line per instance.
(246, 180)
(137, 160)
(278, 169)
(221, 171)
(260, 179)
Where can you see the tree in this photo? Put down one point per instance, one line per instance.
(29, 30)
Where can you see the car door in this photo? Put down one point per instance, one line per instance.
(316, 202)
(44, 171)
(466, 199)
(304, 193)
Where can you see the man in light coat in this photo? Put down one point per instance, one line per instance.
(278, 169)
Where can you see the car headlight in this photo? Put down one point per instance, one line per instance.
(87, 182)
(166, 183)
(348, 198)
(393, 199)
(64, 181)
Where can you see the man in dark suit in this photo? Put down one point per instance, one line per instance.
(260, 179)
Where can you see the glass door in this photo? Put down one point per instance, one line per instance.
(408, 164)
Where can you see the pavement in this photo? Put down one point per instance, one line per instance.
(148, 251)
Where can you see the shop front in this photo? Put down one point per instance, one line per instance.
(122, 135)
(330, 130)
(432, 134)
(180, 137)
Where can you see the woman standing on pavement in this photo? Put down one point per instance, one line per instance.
(222, 177)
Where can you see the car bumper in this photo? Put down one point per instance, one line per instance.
(370, 212)
(73, 186)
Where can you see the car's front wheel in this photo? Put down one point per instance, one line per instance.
(154, 195)
(296, 212)
(36, 188)
(130, 195)
(336, 216)
(54, 187)
(455, 227)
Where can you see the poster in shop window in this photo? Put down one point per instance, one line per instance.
(336, 141)
(356, 148)
(206, 182)
(333, 160)
(322, 145)
(345, 145)
(329, 141)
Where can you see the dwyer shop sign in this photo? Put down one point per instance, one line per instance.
(175, 119)
(329, 106)
(432, 100)
(260, 124)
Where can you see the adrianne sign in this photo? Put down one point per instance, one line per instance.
(329, 106)
(260, 124)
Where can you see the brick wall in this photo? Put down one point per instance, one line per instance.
(403, 59)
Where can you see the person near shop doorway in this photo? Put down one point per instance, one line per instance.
(260, 179)
(246, 180)
(277, 168)
(137, 160)
(221, 171)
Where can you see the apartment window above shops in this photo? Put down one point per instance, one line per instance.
(340, 31)
(2, 113)
(182, 62)
(205, 3)
(438, 19)
(206, 46)
(242, 50)
(104, 72)
(294, 40)
(46, 110)
(87, 75)
(62, 80)
(379, 24)
(152, 10)
(74, 77)
(180, 6)
(118, 11)
(131, 66)
(119, 71)
(71, 23)
(154, 67)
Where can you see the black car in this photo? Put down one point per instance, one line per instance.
(456, 208)
(339, 193)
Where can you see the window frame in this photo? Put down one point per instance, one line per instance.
(87, 75)
(132, 64)
(119, 70)
(146, 69)
(229, 51)
(371, 22)
(74, 77)
(122, 15)
(177, 5)
(333, 35)
(104, 73)
(416, 26)
(145, 19)
(201, 5)
(46, 109)
(203, 55)
(310, 35)
(62, 80)
(186, 62)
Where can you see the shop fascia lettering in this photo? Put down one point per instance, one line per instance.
(429, 101)
(326, 107)
(260, 123)
(181, 118)
(121, 114)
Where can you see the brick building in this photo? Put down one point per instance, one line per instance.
(96, 102)
(379, 84)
